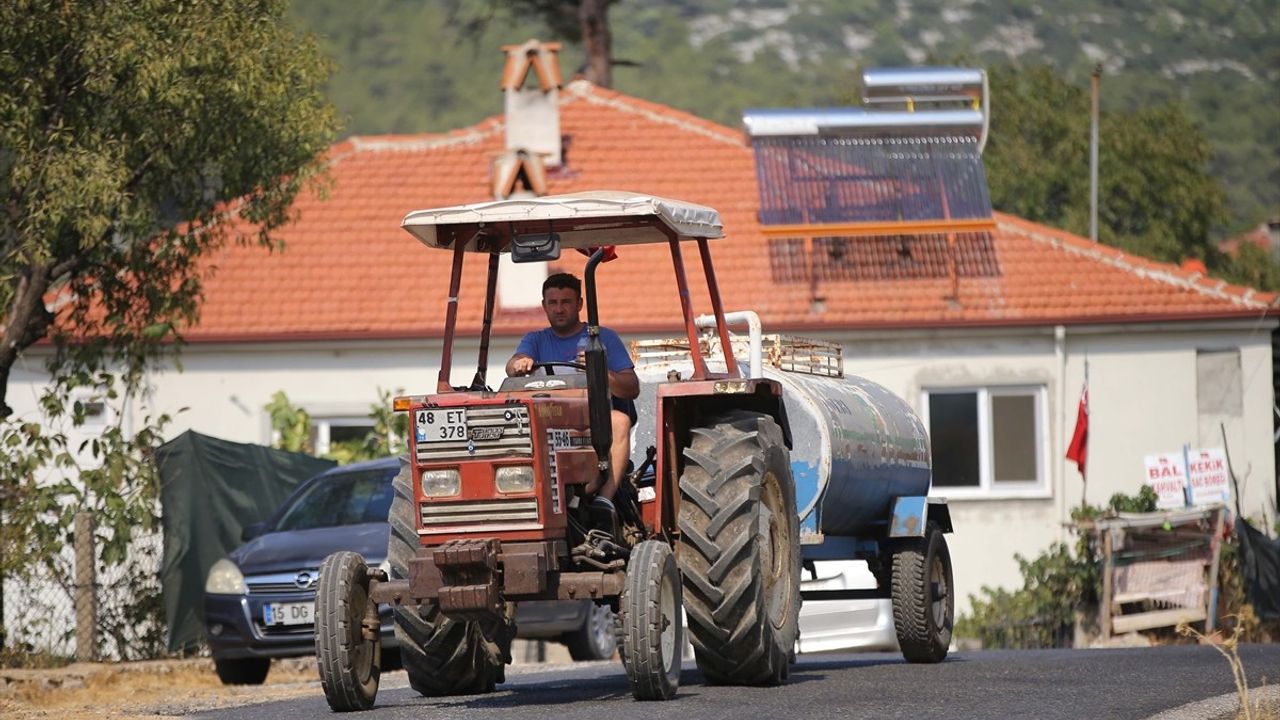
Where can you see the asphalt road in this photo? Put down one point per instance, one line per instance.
(1044, 684)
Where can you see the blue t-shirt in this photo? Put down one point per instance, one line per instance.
(546, 346)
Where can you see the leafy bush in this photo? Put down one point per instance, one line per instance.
(1056, 584)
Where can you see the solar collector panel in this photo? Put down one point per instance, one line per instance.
(830, 180)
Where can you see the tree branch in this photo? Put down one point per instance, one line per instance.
(28, 321)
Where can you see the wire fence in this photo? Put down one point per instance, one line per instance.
(63, 610)
(1034, 634)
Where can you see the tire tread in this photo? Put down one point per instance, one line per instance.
(725, 596)
(440, 655)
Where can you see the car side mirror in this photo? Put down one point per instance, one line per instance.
(535, 248)
(252, 531)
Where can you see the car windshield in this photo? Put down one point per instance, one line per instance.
(348, 498)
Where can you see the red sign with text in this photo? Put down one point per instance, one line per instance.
(1166, 474)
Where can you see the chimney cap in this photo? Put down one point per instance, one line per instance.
(541, 56)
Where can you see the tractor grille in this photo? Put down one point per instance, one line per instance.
(509, 422)
(479, 513)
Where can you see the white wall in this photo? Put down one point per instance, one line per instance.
(225, 389)
(1142, 382)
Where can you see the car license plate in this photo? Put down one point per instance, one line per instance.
(288, 613)
(440, 425)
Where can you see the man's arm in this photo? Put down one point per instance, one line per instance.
(624, 384)
(522, 362)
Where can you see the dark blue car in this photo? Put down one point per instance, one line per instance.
(259, 601)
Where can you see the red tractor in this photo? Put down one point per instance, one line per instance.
(490, 508)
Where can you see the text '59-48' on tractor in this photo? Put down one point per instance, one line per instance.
(747, 473)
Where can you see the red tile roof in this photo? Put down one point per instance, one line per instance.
(349, 271)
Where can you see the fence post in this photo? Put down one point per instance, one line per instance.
(86, 591)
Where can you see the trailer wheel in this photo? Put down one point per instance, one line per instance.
(650, 620)
(349, 663)
(923, 597)
(441, 656)
(739, 550)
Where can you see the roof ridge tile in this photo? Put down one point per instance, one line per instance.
(590, 92)
(1154, 270)
(470, 135)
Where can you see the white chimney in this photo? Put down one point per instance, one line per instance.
(532, 146)
(533, 108)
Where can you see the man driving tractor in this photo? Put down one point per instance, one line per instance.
(565, 341)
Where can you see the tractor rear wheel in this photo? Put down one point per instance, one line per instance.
(350, 663)
(739, 550)
(442, 656)
(923, 601)
(650, 620)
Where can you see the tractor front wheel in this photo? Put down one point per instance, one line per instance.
(349, 661)
(650, 620)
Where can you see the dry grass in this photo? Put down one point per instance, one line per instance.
(143, 690)
(1229, 648)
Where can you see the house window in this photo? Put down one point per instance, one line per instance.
(1218, 383)
(96, 414)
(988, 441)
(329, 432)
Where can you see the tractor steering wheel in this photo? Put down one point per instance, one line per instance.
(548, 365)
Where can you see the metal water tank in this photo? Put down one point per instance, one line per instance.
(855, 445)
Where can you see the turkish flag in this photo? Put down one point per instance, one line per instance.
(1080, 440)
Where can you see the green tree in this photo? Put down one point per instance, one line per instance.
(1253, 267)
(1156, 196)
(130, 133)
(135, 138)
(291, 426)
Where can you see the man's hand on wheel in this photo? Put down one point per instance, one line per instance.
(522, 366)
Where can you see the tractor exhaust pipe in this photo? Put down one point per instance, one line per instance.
(598, 404)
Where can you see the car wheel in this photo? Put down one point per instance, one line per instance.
(245, 671)
(596, 639)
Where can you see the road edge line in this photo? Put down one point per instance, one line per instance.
(1221, 705)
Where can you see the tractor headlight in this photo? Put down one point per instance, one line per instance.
(514, 479)
(440, 483)
(224, 579)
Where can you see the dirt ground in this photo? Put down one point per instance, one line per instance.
(158, 689)
(168, 688)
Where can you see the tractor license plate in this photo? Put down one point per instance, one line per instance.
(288, 613)
(437, 425)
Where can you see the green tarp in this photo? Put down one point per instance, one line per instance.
(211, 490)
(1260, 565)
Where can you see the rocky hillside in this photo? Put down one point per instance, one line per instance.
(407, 67)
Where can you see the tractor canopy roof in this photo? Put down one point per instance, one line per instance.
(582, 220)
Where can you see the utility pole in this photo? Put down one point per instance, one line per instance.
(1093, 153)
